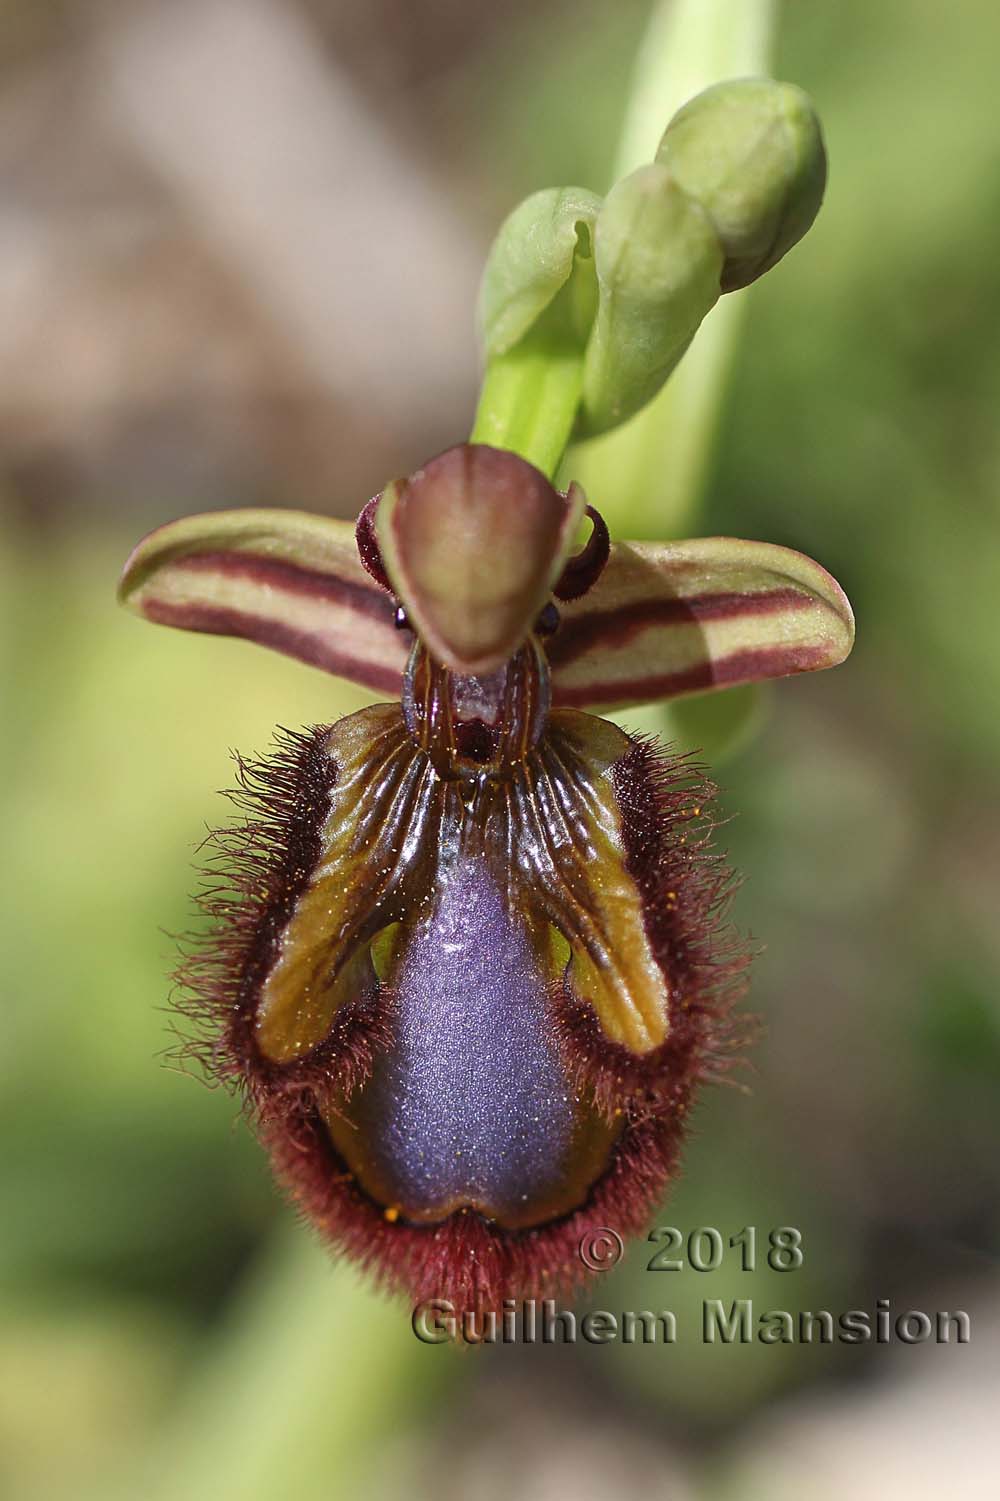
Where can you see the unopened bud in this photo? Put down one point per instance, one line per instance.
(750, 151)
(541, 245)
(658, 268)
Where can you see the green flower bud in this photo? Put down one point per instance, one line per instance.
(586, 307)
(541, 245)
(750, 151)
(658, 267)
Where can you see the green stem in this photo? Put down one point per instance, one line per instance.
(528, 404)
(530, 395)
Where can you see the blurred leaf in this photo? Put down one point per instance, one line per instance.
(310, 1375)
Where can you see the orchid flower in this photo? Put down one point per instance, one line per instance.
(469, 958)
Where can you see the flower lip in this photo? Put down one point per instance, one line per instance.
(516, 1062)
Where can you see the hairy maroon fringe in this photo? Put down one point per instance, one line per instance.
(467, 1259)
(252, 876)
(667, 807)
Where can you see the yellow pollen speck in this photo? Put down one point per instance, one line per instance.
(391, 1214)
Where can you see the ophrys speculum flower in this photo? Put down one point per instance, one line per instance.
(472, 966)
(470, 960)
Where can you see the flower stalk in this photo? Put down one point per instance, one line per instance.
(531, 393)
(536, 306)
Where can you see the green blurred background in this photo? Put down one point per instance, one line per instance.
(239, 241)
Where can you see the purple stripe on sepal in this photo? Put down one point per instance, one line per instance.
(610, 628)
(215, 620)
(738, 667)
(291, 578)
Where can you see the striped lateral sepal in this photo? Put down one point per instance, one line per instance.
(665, 619)
(284, 579)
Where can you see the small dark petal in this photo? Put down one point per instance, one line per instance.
(582, 571)
(368, 548)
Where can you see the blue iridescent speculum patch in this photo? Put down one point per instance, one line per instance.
(470, 1106)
